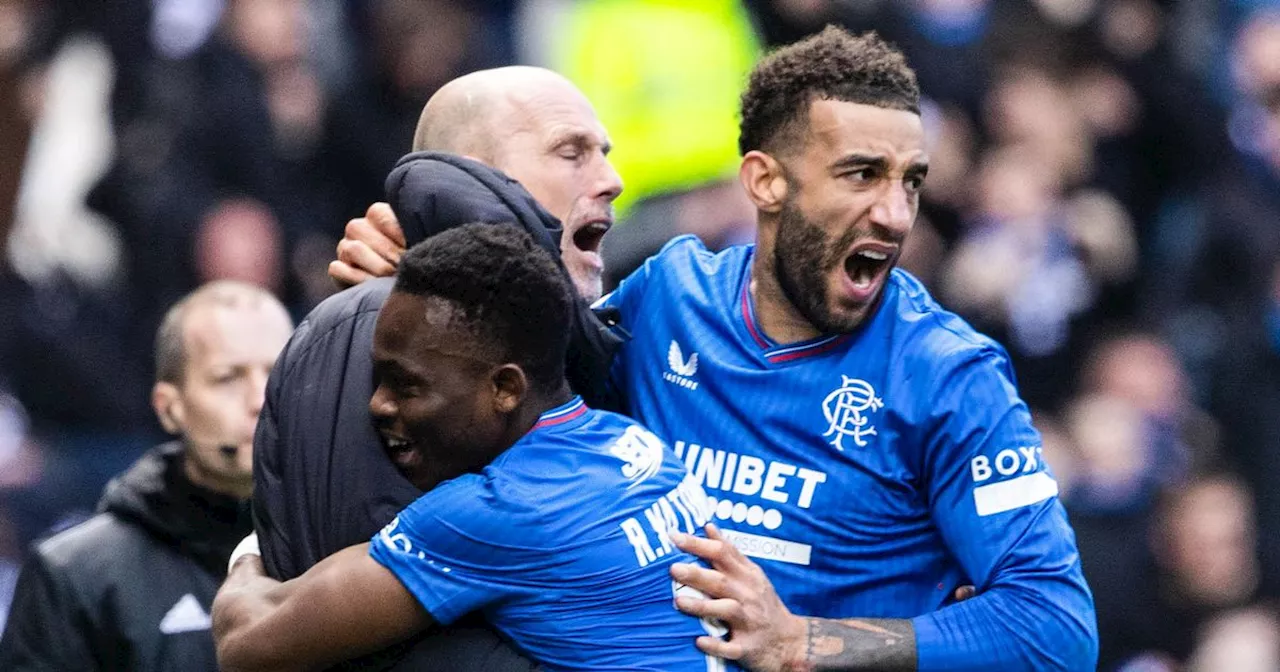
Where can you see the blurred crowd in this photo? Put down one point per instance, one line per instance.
(1103, 198)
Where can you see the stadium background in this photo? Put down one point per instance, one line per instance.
(1104, 199)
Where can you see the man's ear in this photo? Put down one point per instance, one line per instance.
(166, 400)
(764, 180)
(510, 386)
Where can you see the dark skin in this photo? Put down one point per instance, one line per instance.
(429, 390)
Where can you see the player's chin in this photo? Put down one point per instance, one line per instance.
(845, 315)
(238, 458)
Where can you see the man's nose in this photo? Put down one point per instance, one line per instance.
(382, 404)
(895, 209)
(608, 184)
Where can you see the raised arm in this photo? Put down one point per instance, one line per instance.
(345, 606)
(370, 248)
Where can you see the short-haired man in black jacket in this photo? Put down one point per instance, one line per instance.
(131, 588)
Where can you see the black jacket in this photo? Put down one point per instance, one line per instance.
(129, 589)
(322, 479)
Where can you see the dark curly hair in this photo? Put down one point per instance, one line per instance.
(511, 296)
(832, 65)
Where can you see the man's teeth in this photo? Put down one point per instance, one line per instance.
(873, 255)
(397, 443)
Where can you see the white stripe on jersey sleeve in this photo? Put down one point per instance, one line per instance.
(1014, 493)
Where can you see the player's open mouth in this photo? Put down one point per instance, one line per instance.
(402, 451)
(867, 266)
(588, 236)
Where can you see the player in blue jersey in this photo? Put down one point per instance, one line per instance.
(552, 519)
(864, 445)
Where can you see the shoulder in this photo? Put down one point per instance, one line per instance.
(683, 267)
(687, 256)
(602, 452)
(91, 551)
(339, 316)
(365, 297)
(80, 543)
(929, 334)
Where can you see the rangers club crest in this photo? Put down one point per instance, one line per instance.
(846, 411)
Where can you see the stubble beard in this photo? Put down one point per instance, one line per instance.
(802, 264)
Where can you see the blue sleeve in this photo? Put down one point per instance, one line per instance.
(996, 505)
(436, 548)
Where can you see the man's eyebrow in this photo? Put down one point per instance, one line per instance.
(581, 138)
(384, 366)
(862, 160)
(880, 163)
(918, 168)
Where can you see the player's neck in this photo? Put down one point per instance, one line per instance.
(775, 314)
(539, 403)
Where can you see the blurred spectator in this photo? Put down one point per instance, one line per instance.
(1200, 562)
(1031, 263)
(239, 240)
(132, 587)
(1131, 436)
(406, 50)
(1144, 370)
(1245, 640)
(1205, 547)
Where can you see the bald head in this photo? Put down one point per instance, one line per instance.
(471, 113)
(538, 128)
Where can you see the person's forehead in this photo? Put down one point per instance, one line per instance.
(410, 325)
(236, 331)
(560, 112)
(839, 128)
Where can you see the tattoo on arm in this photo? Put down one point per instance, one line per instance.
(870, 644)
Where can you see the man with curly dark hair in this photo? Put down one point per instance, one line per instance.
(865, 446)
(539, 511)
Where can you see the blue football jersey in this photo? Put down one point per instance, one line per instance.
(562, 544)
(870, 474)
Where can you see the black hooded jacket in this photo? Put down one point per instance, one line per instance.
(131, 588)
(322, 479)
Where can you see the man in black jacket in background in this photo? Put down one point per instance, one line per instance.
(131, 588)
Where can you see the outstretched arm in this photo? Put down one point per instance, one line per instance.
(345, 606)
